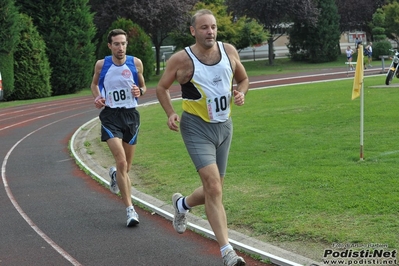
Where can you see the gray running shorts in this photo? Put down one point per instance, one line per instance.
(207, 143)
(120, 123)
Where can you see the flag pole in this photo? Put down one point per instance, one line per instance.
(358, 85)
(1, 88)
(361, 121)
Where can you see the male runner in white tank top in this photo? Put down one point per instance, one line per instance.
(205, 71)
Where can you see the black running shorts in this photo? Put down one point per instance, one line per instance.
(120, 123)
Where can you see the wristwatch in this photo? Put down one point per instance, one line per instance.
(141, 91)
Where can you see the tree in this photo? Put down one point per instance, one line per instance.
(158, 18)
(241, 32)
(9, 25)
(101, 21)
(381, 45)
(139, 44)
(391, 21)
(68, 30)
(356, 15)
(378, 24)
(32, 68)
(298, 44)
(317, 42)
(274, 15)
(251, 34)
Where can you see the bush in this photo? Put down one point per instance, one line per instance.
(139, 45)
(31, 65)
(381, 48)
(68, 30)
(7, 74)
(9, 28)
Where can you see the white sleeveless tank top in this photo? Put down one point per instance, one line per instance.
(208, 94)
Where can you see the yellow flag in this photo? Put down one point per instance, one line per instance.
(358, 81)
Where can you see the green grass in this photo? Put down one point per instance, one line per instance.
(294, 172)
(285, 65)
(280, 66)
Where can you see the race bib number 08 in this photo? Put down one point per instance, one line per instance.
(120, 98)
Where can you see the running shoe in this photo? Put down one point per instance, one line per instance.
(231, 258)
(180, 219)
(132, 218)
(113, 185)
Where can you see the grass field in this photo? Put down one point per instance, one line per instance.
(294, 173)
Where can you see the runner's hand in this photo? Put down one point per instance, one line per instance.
(239, 98)
(136, 91)
(173, 121)
(99, 102)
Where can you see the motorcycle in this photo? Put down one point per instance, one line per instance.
(393, 68)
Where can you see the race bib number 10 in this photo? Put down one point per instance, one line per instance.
(219, 108)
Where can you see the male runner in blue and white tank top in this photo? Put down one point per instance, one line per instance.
(205, 71)
(117, 83)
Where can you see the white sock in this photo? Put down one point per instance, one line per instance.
(130, 208)
(225, 248)
(182, 206)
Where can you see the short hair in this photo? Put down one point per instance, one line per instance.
(114, 33)
(198, 14)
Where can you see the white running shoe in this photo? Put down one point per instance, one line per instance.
(113, 185)
(132, 218)
(231, 258)
(180, 219)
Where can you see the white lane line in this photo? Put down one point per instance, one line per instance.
(31, 119)
(276, 259)
(297, 77)
(10, 195)
(11, 114)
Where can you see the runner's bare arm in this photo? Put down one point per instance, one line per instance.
(240, 75)
(172, 73)
(99, 102)
(141, 87)
(176, 69)
(96, 76)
